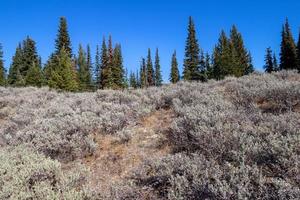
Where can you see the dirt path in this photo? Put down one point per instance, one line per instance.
(116, 158)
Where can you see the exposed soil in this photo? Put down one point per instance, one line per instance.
(115, 159)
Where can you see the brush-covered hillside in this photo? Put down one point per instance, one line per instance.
(232, 139)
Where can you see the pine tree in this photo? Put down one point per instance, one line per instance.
(150, 70)
(118, 72)
(269, 66)
(34, 76)
(64, 75)
(222, 58)
(2, 69)
(103, 66)
(209, 69)
(89, 67)
(143, 74)
(174, 75)
(158, 76)
(239, 53)
(63, 39)
(84, 74)
(250, 67)
(202, 68)
(288, 54)
(14, 75)
(97, 68)
(191, 60)
(298, 52)
(275, 63)
(132, 80)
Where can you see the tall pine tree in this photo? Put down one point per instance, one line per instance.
(84, 74)
(288, 54)
(158, 76)
(143, 74)
(150, 70)
(174, 75)
(97, 71)
(192, 50)
(2, 68)
(269, 66)
(118, 72)
(63, 40)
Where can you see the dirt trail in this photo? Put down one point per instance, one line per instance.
(115, 159)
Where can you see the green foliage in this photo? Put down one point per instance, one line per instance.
(230, 57)
(288, 54)
(118, 72)
(24, 61)
(143, 74)
(84, 74)
(150, 70)
(132, 80)
(97, 68)
(192, 50)
(174, 75)
(158, 76)
(63, 75)
(63, 39)
(270, 66)
(34, 76)
(2, 69)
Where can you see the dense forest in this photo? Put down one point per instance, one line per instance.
(78, 71)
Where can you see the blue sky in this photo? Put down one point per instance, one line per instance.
(138, 25)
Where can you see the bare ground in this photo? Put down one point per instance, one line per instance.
(115, 159)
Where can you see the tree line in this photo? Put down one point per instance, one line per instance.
(71, 71)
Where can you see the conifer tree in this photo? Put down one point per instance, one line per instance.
(222, 57)
(298, 52)
(84, 74)
(97, 67)
(174, 75)
(250, 67)
(275, 63)
(132, 80)
(2, 69)
(192, 50)
(269, 66)
(63, 38)
(288, 54)
(239, 53)
(143, 74)
(64, 75)
(202, 68)
(103, 66)
(208, 67)
(118, 72)
(158, 76)
(14, 75)
(89, 67)
(138, 79)
(34, 76)
(150, 70)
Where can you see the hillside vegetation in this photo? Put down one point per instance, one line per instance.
(230, 139)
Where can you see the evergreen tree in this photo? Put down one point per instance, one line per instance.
(158, 76)
(143, 74)
(239, 53)
(288, 54)
(63, 76)
(132, 80)
(202, 68)
(63, 39)
(208, 67)
(250, 67)
(150, 70)
(174, 75)
(84, 74)
(2, 69)
(138, 79)
(89, 67)
(118, 72)
(103, 66)
(14, 75)
(275, 63)
(298, 52)
(34, 76)
(222, 58)
(97, 68)
(269, 66)
(191, 60)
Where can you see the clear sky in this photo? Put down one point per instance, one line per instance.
(139, 24)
